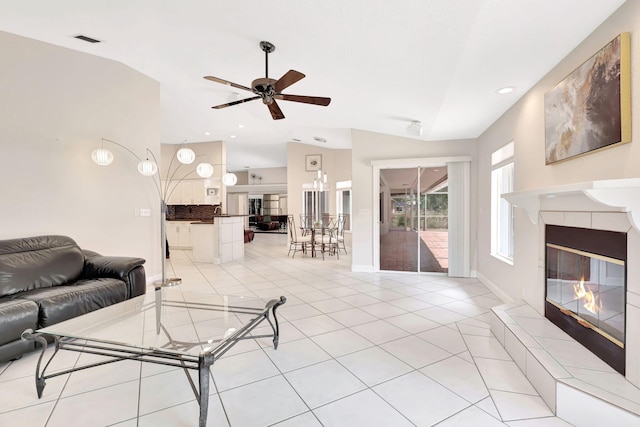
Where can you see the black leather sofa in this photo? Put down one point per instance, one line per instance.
(47, 279)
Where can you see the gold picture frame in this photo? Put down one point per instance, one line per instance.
(590, 109)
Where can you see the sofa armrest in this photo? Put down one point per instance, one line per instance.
(128, 269)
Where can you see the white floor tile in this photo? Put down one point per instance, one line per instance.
(471, 416)
(446, 338)
(331, 305)
(36, 415)
(105, 406)
(379, 332)
(305, 420)
(323, 383)
(440, 315)
(489, 407)
(296, 354)
(164, 390)
(459, 376)
(487, 347)
(374, 365)
(339, 343)
(540, 422)
(263, 403)
(415, 352)
(299, 311)
(316, 325)
(361, 409)
(21, 392)
(101, 376)
(419, 398)
(382, 310)
(186, 415)
(504, 375)
(352, 317)
(466, 308)
(515, 406)
(358, 300)
(412, 323)
(241, 369)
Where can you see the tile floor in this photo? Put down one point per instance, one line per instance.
(357, 349)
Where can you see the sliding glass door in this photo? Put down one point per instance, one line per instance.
(414, 219)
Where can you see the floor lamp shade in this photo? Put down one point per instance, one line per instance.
(229, 179)
(147, 167)
(204, 170)
(186, 156)
(102, 156)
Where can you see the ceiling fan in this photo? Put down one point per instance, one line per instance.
(269, 89)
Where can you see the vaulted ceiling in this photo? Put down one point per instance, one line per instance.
(382, 63)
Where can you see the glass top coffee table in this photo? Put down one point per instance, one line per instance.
(159, 329)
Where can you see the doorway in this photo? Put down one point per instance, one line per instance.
(414, 238)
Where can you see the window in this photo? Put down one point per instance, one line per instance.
(501, 209)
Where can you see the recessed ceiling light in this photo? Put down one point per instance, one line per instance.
(207, 133)
(319, 139)
(240, 126)
(505, 90)
(232, 136)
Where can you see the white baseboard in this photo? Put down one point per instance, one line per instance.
(362, 268)
(494, 288)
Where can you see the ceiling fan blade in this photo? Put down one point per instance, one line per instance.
(316, 100)
(229, 104)
(275, 110)
(289, 78)
(224, 82)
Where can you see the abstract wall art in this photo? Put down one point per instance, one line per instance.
(591, 108)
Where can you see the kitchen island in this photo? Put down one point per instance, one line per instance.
(219, 240)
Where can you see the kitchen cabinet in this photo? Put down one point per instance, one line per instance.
(179, 234)
(187, 192)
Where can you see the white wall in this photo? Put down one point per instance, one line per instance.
(368, 146)
(56, 105)
(524, 124)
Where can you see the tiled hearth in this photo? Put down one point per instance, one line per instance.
(575, 384)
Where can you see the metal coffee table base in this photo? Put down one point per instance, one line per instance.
(170, 357)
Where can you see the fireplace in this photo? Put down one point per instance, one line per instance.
(586, 288)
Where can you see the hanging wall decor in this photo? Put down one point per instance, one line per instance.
(591, 108)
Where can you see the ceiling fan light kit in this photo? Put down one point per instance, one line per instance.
(269, 90)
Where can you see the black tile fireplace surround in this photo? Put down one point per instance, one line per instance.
(593, 261)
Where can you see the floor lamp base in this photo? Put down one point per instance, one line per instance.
(174, 281)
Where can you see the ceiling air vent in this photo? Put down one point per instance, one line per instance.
(86, 38)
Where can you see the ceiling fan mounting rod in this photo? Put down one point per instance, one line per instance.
(267, 48)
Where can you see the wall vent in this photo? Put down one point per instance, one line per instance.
(87, 39)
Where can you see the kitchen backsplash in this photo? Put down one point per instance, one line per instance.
(190, 212)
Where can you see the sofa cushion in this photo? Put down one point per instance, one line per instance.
(17, 316)
(38, 262)
(64, 302)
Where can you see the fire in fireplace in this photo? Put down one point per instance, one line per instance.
(586, 288)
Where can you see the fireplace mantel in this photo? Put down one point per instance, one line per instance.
(623, 195)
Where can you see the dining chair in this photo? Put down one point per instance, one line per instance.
(340, 233)
(328, 239)
(297, 243)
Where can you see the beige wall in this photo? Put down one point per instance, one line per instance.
(524, 124)
(335, 163)
(368, 146)
(56, 105)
